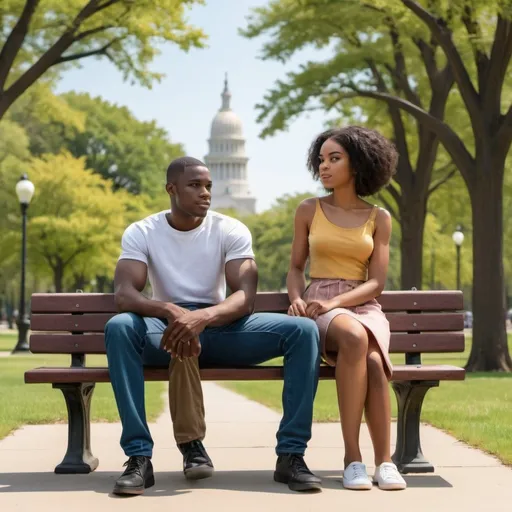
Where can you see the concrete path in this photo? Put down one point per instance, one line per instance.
(240, 440)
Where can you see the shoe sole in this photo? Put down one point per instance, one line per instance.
(199, 472)
(134, 491)
(358, 487)
(297, 486)
(391, 487)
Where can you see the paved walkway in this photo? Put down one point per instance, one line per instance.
(240, 440)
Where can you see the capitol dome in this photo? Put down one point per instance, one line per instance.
(226, 124)
(227, 160)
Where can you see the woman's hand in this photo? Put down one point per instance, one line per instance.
(315, 308)
(297, 308)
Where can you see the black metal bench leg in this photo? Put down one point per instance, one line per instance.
(78, 458)
(408, 455)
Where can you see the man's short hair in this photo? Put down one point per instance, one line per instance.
(178, 166)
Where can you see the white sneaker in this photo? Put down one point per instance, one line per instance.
(388, 478)
(356, 478)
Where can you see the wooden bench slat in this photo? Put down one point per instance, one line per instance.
(95, 343)
(95, 322)
(265, 301)
(71, 375)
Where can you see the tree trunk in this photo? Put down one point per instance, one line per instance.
(58, 278)
(412, 224)
(5, 103)
(101, 282)
(79, 283)
(489, 351)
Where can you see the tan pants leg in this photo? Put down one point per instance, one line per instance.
(186, 400)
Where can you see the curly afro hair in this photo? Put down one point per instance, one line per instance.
(372, 157)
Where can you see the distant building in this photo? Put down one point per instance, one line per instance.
(227, 160)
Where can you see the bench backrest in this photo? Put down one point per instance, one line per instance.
(420, 321)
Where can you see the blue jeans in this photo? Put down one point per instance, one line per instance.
(133, 341)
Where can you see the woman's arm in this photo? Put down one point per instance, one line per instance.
(296, 280)
(377, 272)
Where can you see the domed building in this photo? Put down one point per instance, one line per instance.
(227, 161)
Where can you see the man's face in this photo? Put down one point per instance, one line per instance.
(192, 191)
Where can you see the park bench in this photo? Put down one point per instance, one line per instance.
(421, 322)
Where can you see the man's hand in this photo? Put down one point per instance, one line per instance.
(181, 338)
(297, 308)
(315, 308)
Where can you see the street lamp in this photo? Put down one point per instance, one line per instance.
(458, 239)
(24, 190)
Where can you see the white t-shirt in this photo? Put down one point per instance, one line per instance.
(187, 266)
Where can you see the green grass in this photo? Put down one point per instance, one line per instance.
(22, 403)
(8, 341)
(477, 411)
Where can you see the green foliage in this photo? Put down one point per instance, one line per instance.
(56, 33)
(46, 118)
(75, 220)
(360, 38)
(13, 142)
(133, 154)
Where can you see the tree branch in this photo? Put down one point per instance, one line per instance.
(451, 141)
(473, 29)
(396, 119)
(504, 137)
(429, 58)
(434, 186)
(501, 54)
(54, 52)
(400, 71)
(79, 250)
(15, 40)
(443, 35)
(87, 33)
(395, 194)
(76, 56)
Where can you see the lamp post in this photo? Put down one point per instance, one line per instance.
(24, 190)
(458, 239)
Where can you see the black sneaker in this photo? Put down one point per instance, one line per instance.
(292, 470)
(137, 476)
(196, 463)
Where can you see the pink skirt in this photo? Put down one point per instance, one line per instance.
(370, 315)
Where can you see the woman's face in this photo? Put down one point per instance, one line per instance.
(334, 166)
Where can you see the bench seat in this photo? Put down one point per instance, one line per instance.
(401, 372)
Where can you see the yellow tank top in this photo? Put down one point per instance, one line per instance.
(340, 253)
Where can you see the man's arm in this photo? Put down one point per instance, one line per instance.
(242, 279)
(129, 281)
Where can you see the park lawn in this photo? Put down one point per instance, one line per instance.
(8, 341)
(477, 411)
(22, 403)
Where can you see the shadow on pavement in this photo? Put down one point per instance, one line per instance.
(173, 483)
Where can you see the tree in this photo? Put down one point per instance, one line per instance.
(373, 54)
(76, 220)
(36, 36)
(487, 27)
(490, 114)
(133, 154)
(39, 112)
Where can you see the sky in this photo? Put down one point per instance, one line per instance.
(187, 99)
